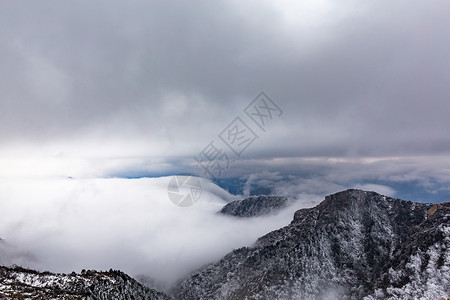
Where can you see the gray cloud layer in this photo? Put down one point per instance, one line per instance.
(361, 79)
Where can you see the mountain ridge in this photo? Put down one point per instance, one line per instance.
(21, 283)
(353, 245)
(255, 206)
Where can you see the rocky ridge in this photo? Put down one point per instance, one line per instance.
(20, 283)
(255, 206)
(353, 245)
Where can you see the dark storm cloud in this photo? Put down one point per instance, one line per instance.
(365, 79)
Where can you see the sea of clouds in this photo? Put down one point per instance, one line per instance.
(65, 225)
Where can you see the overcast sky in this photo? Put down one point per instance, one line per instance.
(113, 88)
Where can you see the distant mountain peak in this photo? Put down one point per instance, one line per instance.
(254, 206)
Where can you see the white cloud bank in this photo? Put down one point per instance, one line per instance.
(129, 224)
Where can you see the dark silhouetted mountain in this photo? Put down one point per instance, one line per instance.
(353, 245)
(20, 283)
(254, 206)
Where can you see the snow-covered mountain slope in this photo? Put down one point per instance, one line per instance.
(19, 283)
(354, 245)
(254, 206)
